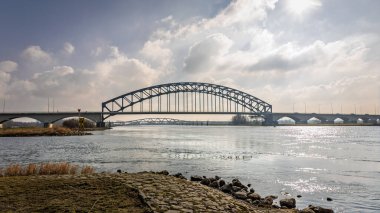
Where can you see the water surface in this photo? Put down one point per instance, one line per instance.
(316, 162)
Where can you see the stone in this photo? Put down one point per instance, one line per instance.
(119, 171)
(179, 175)
(306, 210)
(205, 181)
(236, 182)
(329, 199)
(288, 202)
(241, 195)
(227, 188)
(196, 178)
(254, 196)
(299, 196)
(275, 206)
(268, 200)
(222, 183)
(274, 197)
(163, 172)
(236, 188)
(214, 184)
(249, 185)
(318, 209)
(252, 190)
(217, 177)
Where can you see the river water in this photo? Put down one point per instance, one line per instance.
(316, 162)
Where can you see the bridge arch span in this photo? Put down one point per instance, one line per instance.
(188, 98)
(10, 118)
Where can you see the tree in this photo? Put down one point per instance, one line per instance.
(239, 120)
(74, 123)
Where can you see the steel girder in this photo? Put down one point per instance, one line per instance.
(126, 101)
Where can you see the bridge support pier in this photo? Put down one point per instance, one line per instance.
(268, 121)
(100, 124)
(48, 125)
(1, 126)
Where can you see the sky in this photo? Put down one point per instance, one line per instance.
(322, 54)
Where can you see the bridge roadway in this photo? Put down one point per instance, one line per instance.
(299, 118)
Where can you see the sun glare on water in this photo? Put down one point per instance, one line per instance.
(301, 7)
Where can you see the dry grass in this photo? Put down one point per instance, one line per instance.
(13, 170)
(36, 131)
(44, 169)
(87, 170)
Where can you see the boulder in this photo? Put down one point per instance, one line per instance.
(205, 181)
(288, 202)
(227, 188)
(214, 184)
(306, 210)
(222, 183)
(236, 188)
(217, 177)
(119, 171)
(329, 199)
(268, 201)
(299, 196)
(254, 196)
(196, 178)
(252, 190)
(241, 195)
(318, 209)
(163, 172)
(274, 197)
(179, 175)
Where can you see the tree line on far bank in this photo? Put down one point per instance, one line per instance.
(239, 119)
(74, 123)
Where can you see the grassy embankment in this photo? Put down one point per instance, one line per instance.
(37, 131)
(62, 187)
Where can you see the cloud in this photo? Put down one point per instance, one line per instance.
(68, 48)
(205, 53)
(157, 54)
(36, 55)
(6, 67)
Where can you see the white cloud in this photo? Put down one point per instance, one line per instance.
(68, 48)
(36, 55)
(6, 67)
(203, 55)
(301, 7)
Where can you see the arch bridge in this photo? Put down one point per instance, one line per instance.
(151, 121)
(187, 98)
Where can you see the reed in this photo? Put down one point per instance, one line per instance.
(31, 169)
(62, 168)
(13, 170)
(87, 170)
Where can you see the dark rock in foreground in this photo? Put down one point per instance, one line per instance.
(288, 203)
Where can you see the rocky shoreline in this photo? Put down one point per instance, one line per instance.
(247, 194)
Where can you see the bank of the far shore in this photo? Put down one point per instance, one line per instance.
(39, 131)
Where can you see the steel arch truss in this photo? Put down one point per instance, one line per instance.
(186, 98)
(151, 121)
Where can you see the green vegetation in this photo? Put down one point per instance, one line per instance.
(74, 123)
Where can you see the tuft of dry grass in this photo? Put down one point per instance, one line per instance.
(63, 168)
(87, 170)
(13, 170)
(31, 169)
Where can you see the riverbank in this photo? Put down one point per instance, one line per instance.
(37, 131)
(137, 192)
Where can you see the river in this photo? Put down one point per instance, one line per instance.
(341, 162)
